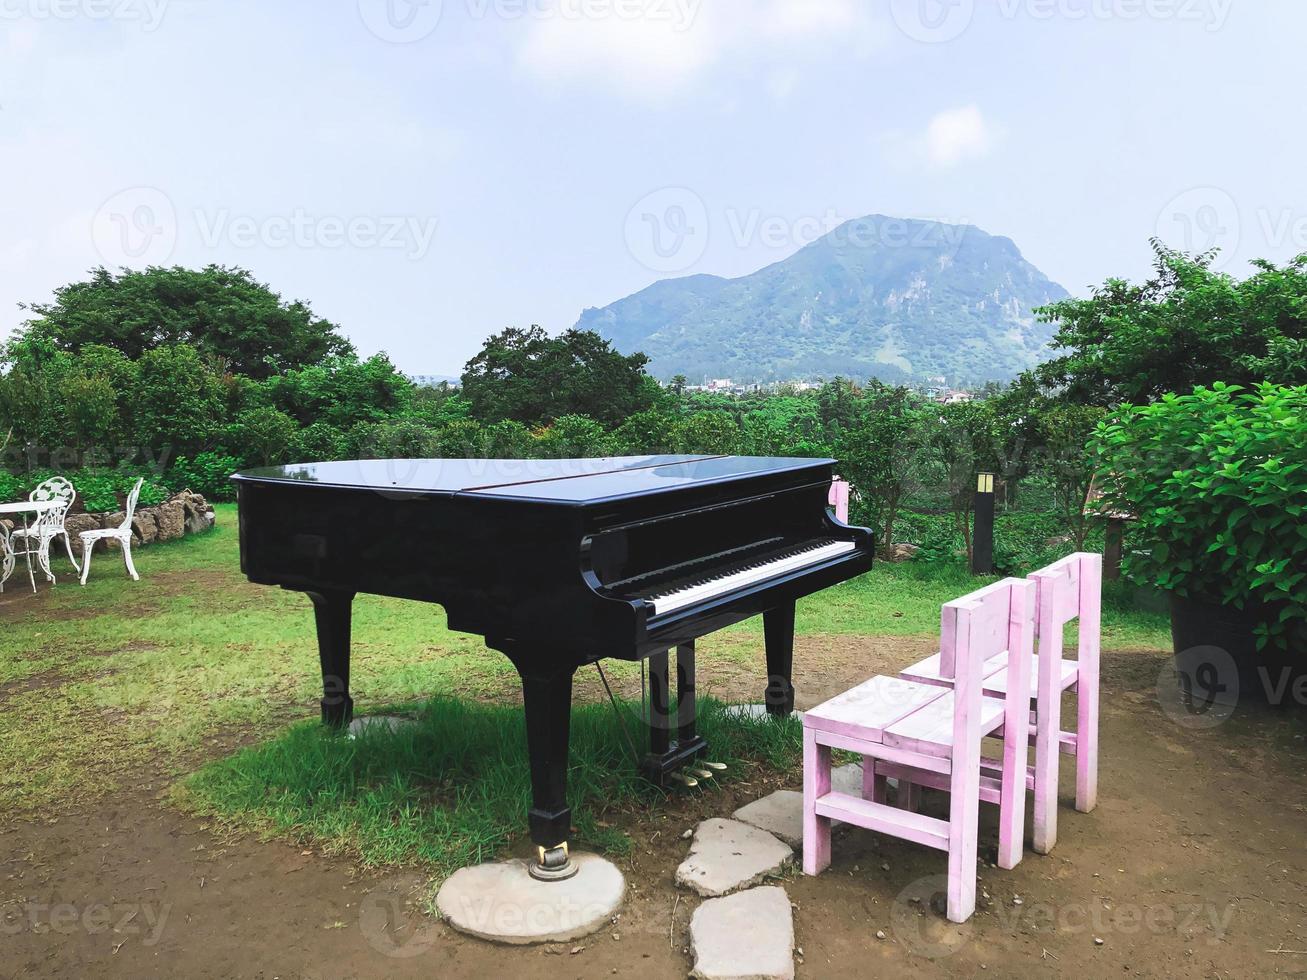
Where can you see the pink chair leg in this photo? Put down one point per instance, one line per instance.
(1091, 599)
(875, 787)
(964, 815)
(1047, 729)
(816, 783)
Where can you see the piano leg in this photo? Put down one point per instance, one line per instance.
(547, 700)
(331, 610)
(667, 756)
(778, 635)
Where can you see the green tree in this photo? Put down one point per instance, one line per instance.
(712, 433)
(880, 455)
(340, 391)
(263, 435)
(1065, 431)
(1187, 325)
(533, 378)
(178, 399)
(216, 310)
(962, 438)
(647, 432)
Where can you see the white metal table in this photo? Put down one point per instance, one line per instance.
(21, 508)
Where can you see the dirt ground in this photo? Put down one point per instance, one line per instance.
(1192, 865)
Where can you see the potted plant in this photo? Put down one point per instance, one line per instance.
(1217, 483)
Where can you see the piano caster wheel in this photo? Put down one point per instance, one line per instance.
(715, 766)
(679, 777)
(553, 864)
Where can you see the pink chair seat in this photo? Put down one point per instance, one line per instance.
(994, 671)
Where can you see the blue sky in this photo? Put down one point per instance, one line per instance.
(427, 174)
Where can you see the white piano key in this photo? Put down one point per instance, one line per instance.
(737, 580)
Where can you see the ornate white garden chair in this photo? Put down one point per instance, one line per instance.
(122, 534)
(6, 557)
(49, 523)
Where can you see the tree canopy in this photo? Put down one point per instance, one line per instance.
(1188, 325)
(218, 310)
(530, 377)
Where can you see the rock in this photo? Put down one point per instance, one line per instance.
(727, 855)
(749, 935)
(172, 520)
(1059, 541)
(502, 902)
(847, 779)
(903, 552)
(779, 813)
(145, 527)
(198, 515)
(75, 524)
(753, 711)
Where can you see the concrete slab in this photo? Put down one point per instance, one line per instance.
(503, 903)
(727, 855)
(754, 711)
(749, 936)
(781, 813)
(379, 725)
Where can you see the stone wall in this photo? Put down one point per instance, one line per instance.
(181, 514)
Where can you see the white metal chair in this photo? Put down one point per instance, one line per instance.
(49, 523)
(6, 557)
(122, 534)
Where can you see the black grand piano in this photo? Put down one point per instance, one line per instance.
(559, 563)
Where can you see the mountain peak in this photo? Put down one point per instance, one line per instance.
(877, 296)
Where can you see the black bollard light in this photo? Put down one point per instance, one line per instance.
(982, 530)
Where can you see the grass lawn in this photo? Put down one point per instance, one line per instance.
(118, 683)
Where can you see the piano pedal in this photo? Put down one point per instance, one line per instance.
(702, 773)
(679, 777)
(716, 766)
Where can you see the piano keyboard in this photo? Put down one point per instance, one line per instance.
(740, 576)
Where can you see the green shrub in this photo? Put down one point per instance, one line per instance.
(1217, 483)
(98, 489)
(206, 473)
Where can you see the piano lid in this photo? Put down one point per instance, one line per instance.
(562, 481)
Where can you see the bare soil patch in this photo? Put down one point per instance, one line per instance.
(1190, 866)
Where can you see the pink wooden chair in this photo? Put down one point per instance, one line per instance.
(929, 729)
(838, 498)
(1068, 589)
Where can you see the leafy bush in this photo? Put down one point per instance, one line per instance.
(207, 474)
(1217, 483)
(98, 489)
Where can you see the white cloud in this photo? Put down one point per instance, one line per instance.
(956, 135)
(650, 48)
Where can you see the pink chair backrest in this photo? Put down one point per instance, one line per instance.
(839, 499)
(978, 627)
(1071, 588)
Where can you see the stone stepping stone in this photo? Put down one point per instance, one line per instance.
(379, 725)
(727, 855)
(749, 936)
(781, 813)
(501, 902)
(753, 711)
